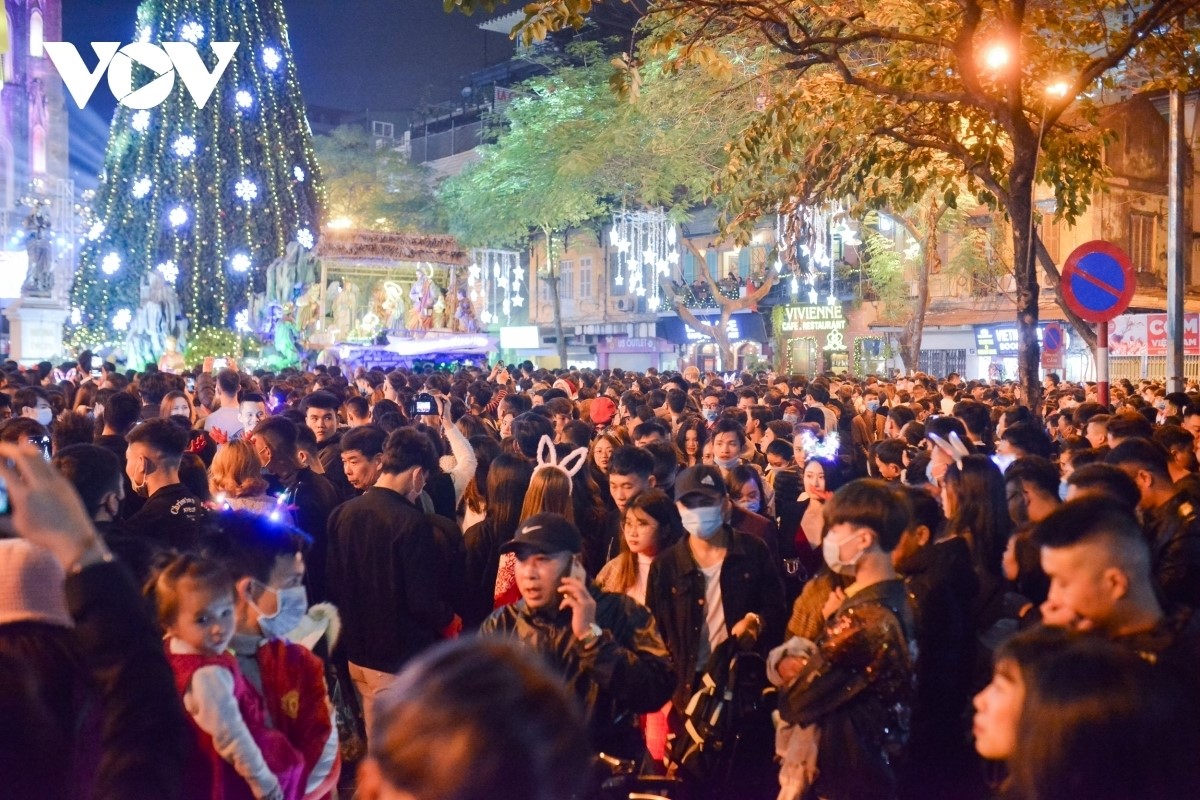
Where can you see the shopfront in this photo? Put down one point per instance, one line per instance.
(634, 353)
(1137, 346)
(996, 353)
(747, 336)
(812, 338)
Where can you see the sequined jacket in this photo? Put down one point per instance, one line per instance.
(858, 688)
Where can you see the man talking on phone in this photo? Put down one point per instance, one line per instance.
(604, 645)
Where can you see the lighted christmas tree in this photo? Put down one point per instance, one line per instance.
(207, 197)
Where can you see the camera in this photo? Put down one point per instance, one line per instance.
(423, 404)
(42, 443)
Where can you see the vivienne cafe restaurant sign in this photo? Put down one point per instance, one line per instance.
(831, 319)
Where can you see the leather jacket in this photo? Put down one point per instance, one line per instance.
(626, 673)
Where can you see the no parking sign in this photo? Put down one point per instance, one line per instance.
(1053, 345)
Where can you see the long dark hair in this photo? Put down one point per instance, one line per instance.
(662, 510)
(691, 424)
(486, 450)
(1099, 722)
(507, 481)
(981, 515)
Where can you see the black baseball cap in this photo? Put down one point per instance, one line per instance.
(702, 479)
(547, 534)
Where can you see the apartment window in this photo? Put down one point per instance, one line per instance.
(1141, 241)
(566, 280)
(585, 277)
(1049, 233)
(383, 130)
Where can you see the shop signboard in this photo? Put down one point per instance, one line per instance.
(798, 320)
(1146, 335)
(1001, 341)
(741, 327)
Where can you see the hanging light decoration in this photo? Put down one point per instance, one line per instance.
(496, 282)
(646, 244)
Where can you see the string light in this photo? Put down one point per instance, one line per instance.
(206, 156)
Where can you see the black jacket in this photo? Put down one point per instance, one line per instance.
(749, 583)
(312, 499)
(172, 517)
(628, 672)
(1173, 532)
(144, 735)
(482, 543)
(329, 453)
(383, 574)
(858, 688)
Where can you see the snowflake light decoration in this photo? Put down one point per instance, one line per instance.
(111, 263)
(241, 321)
(121, 319)
(141, 188)
(244, 99)
(141, 121)
(817, 448)
(305, 238)
(178, 216)
(184, 146)
(271, 58)
(96, 231)
(246, 190)
(192, 32)
(76, 315)
(169, 271)
(240, 262)
(299, 173)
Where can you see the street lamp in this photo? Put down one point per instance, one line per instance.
(997, 56)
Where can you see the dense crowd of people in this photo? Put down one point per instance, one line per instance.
(509, 582)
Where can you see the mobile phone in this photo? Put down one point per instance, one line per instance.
(43, 443)
(577, 570)
(220, 364)
(96, 374)
(5, 509)
(191, 384)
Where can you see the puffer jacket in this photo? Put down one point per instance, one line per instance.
(628, 672)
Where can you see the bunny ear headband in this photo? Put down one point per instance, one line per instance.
(953, 448)
(547, 458)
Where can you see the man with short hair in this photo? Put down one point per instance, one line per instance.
(320, 416)
(384, 568)
(728, 439)
(630, 470)
(1031, 484)
(152, 388)
(225, 418)
(1171, 519)
(867, 428)
(1101, 579)
(818, 396)
(172, 515)
(33, 403)
(649, 432)
(358, 412)
(605, 645)
(252, 409)
(362, 456)
(120, 415)
(859, 677)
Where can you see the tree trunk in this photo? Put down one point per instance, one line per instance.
(552, 268)
(910, 334)
(1020, 210)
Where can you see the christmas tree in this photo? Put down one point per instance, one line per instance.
(207, 197)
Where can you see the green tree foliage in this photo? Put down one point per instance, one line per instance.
(209, 196)
(873, 94)
(375, 186)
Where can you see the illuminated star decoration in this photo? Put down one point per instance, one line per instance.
(192, 32)
(110, 264)
(246, 190)
(184, 146)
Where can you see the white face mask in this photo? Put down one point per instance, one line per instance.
(291, 606)
(703, 522)
(44, 416)
(727, 463)
(831, 550)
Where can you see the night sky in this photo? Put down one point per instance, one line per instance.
(389, 55)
